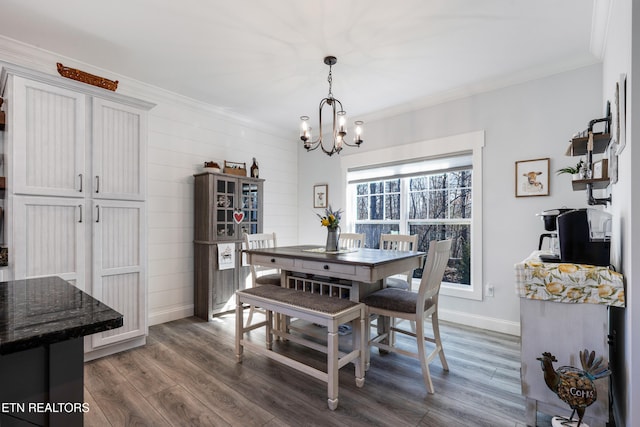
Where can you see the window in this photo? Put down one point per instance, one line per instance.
(431, 205)
(430, 188)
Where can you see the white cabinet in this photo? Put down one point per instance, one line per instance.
(58, 156)
(118, 150)
(119, 272)
(49, 238)
(47, 128)
(76, 189)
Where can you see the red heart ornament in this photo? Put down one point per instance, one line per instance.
(238, 217)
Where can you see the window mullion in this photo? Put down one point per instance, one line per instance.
(404, 205)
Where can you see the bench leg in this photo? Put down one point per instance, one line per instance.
(359, 342)
(332, 365)
(239, 329)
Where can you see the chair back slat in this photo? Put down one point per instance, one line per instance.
(259, 241)
(400, 242)
(351, 240)
(437, 259)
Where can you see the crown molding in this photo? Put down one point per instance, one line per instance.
(32, 57)
(600, 27)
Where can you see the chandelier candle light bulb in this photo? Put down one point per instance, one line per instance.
(339, 128)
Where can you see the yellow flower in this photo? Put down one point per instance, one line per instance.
(567, 268)
(332, 218)
(605, 290)
(325, 222)
(574, 293)
(554, 288)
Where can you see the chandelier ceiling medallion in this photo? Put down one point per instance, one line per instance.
(339, 133)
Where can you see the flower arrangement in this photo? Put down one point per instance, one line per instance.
(331, 218)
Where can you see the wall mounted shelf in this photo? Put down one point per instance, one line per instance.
(578, 146)
(598, 184)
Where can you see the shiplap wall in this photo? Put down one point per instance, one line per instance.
(183, 133)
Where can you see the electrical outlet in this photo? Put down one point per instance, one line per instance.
(489, 290)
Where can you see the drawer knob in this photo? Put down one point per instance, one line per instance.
(273, 260)
(326, 267)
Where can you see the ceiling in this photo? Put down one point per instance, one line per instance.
(263, 59)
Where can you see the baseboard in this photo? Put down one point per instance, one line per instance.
(115, 348)
(482, 322)
(174, 313)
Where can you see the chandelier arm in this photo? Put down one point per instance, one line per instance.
(333, 149)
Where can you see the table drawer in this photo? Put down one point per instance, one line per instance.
(327, 268)
(266, 261)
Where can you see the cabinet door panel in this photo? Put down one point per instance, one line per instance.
(49, 238)
(119, 278)
(48, 126)
(119, 151)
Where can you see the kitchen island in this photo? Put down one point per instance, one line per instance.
(43, 322)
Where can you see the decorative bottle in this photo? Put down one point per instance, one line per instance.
(255, 172)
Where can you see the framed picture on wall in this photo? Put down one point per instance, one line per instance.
(320, 195)
(532, 177)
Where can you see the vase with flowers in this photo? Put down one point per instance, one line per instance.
(331, 220)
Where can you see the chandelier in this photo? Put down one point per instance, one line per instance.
(339, 116)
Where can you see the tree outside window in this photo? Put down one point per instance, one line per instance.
(434, 206)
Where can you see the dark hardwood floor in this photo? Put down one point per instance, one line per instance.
(187, 375)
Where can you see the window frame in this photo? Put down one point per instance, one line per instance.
(471, 142)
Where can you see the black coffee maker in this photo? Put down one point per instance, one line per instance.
(549, 218)
(585, 236)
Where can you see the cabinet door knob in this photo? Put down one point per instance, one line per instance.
(326, 267)
(273, 260)
(80, 175)
(97, 213)
(80, 209)
(97, 184)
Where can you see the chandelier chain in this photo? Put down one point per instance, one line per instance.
(330, 80)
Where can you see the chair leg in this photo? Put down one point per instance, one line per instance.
(422, 355)
(359, 343)
(269, 330)
(251, 308)
(367, 336)
(436, 335)
(239, 330)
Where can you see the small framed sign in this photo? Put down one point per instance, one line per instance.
(532, 177)
(320, 195)
(601, 169)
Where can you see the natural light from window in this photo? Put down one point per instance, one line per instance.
(435, 196)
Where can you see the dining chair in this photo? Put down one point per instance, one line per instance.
(413, 306)
(261, 275)
(351, 240)
(399, 242)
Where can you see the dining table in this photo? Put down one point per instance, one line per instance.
(349, 272)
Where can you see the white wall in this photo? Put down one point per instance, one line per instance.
(623, 56)
(531, 120)
(183, 134)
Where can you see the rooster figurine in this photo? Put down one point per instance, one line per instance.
(572, 385)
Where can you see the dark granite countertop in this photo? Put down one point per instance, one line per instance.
(46, 310)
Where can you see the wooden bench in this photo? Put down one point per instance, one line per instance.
(318, 309)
